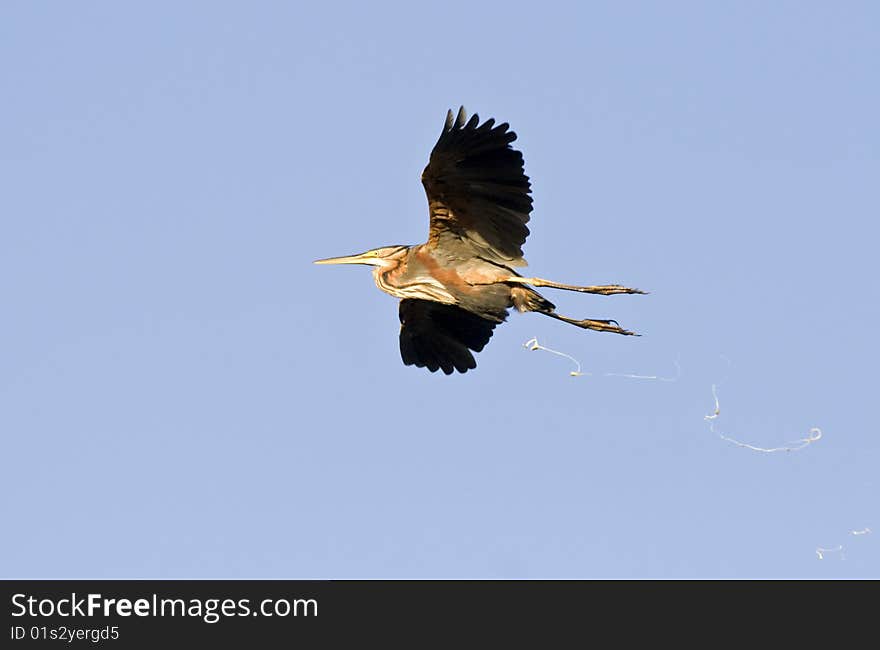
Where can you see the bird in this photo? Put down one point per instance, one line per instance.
(458, 286)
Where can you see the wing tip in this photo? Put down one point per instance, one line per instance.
(459, 121)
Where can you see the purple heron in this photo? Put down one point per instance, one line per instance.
(458, 286)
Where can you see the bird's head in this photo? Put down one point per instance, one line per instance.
(387, 256)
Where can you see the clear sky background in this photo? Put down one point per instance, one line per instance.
(184, 395)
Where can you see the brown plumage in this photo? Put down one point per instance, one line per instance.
(459, 285)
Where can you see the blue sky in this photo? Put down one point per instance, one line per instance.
(184, 395)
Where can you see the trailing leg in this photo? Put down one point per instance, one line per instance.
(527, 299)
(603, 290)
(592, 324)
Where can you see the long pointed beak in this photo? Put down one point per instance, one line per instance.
(351, 259)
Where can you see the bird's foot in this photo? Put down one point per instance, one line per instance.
(602, 326)
(593, 324)
(610, 290)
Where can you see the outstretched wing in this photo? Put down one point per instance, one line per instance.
(437, 336)
(478, 193)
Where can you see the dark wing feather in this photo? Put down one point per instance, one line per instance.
(437, 336)
(478, 193)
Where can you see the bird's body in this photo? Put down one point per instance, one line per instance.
(459, 285)
(426, 272)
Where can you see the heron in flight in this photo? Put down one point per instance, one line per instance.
(458, 286)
